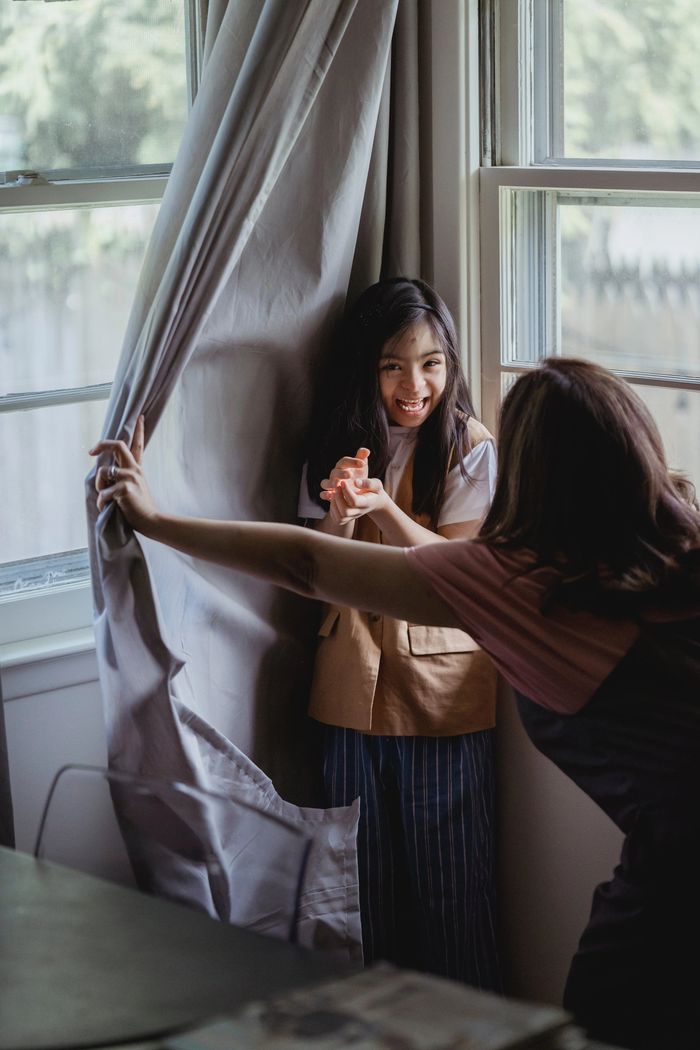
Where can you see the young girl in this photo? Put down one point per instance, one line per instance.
(408, 710)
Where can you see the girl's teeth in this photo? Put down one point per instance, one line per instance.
(410, 406)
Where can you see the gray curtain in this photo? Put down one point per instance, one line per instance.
(296, 181)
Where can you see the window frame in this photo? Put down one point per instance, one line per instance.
(42, 611)
(522, 143)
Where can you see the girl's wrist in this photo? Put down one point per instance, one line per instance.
(383, 510)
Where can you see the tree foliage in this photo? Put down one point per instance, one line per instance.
(85, 84)
(92, 83)
(631, 81)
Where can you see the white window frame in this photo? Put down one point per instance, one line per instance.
(451, 120)
(522, 151)
(37, 619)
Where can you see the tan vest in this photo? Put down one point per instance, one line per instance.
(389, 677)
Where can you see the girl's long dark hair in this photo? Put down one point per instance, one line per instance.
(583, 483)
(349, 413)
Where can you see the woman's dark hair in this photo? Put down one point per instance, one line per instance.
(349, 413)
(583, 483)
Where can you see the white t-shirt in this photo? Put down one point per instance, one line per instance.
(462, 500)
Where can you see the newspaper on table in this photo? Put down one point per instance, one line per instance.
(384, 1008)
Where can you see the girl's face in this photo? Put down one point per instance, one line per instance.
(412, 375)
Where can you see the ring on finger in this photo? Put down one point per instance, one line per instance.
(113, 474)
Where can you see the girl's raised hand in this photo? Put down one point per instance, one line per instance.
(124, 481)
(349, 468)
(354, 498)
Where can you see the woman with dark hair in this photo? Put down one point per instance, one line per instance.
(408, 710)
(584, 587)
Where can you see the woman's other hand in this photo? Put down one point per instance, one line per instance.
(124, 480)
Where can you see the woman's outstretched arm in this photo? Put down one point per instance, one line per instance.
(363, 575)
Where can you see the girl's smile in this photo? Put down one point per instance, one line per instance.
(412, 375)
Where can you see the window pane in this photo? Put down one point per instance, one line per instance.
(618, 283)
(66, 289)
(630, 79)
(676, 414)
(94, 84)
(630, 287)
(42, 470)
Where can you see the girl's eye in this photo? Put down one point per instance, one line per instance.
(390, 367)
(432, 364)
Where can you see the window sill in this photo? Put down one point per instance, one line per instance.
(48, 663)
(30, 617)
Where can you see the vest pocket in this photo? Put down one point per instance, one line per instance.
(429, 641)
(328, 622)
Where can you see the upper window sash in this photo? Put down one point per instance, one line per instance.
(522, 44)
(193, 14)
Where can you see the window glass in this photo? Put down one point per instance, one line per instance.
(91, 90)
(42, 474)
(614, 278)
(66, 288)
(629, 80)
(91, 84)
(630, 286)
(676, 414)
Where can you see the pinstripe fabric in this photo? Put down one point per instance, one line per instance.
(425, 847)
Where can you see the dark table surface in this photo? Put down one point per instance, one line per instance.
(84, 962)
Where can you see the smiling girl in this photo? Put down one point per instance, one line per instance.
(396, 457)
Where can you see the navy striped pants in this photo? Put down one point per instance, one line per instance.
(425, 848)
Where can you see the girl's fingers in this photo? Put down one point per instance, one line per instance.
(337, 509)
(347, 490)
(353, 497)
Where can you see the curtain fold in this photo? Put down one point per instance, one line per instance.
(295, 181)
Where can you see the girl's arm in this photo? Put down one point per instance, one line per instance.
(366, 576)
(330, 527)
(336, 522)
(368, 496)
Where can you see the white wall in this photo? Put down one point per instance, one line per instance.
(555, 846)
(53, 716)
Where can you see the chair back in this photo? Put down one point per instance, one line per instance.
(206, 849)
